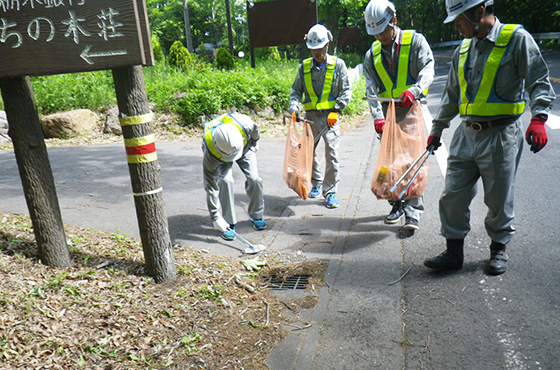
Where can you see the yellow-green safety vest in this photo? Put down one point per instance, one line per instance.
(485, 102)
(393, 89)
(209, 127)
(313, 100)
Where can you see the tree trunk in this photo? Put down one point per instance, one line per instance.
(35, 171)
(145, 175)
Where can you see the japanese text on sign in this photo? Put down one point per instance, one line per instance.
(100, 33)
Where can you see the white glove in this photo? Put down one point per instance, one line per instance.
(221, 224)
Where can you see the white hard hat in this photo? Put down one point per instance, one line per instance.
(457, 7)
(228, 142)
(317, 37)
(378, 14)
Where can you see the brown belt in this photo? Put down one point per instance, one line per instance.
(479, 126)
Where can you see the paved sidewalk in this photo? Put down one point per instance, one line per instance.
(357, 321)
(365, 254)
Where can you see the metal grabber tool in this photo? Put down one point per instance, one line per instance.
(316, 139)
(426, 153)
(251, 248)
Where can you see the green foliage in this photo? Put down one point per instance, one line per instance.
(89, 90)
(196, 103)
(357, 104)
(198, 93)
(158, 51)
(269, 53)
(351, 60)
(206, 93)
(179, 56)
(202, 52)
(224, 60)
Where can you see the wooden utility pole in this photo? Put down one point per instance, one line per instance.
(135, 118)
(35, 170)
(190, 47)
(230, 36)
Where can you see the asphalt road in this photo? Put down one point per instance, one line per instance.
(459, 320)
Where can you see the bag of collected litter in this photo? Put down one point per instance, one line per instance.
(402, 143)
(298, 160)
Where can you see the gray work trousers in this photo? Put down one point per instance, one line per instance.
(331, 138)
(253, 187)
(493, 155)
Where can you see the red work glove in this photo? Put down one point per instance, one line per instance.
(332, 119)
(407, 99)
(379, 123)
(536, 134)
(433, 143)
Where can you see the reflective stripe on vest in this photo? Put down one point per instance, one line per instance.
(224, 119)
(404, 80)
(326, 101)
(485, 102)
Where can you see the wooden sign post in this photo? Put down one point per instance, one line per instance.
(65, 36)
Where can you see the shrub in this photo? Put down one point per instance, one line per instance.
(196, 103)
(268, 54)
(202, 53)
(158, 50)
(88, 90)
(224, 60)
(178, 55)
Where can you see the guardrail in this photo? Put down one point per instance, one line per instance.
(536, 36)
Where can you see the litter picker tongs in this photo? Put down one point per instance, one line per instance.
(251, 248)
(424, 156)
(318, 137)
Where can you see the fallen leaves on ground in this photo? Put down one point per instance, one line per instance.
(104, 312)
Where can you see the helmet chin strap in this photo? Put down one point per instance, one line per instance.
(394, 34)
(475, 23)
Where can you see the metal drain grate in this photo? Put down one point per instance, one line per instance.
(292, 283)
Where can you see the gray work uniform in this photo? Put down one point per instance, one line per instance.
(421, 69)
(492, 154)
(218, 177)
(342, 91)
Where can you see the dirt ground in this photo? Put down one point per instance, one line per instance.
(104, 312)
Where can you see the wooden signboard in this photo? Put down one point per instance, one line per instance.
(281, 22)
(41, 37)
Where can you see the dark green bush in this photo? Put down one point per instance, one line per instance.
(202, 52)
(88, 90)
(158, 50)
(224, 60)
(196, 103)
(178, 55)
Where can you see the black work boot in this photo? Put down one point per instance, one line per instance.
(451, 259)
(396, 213)
(497, 264)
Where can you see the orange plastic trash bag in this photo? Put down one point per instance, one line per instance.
(298, 159)
(402, 143)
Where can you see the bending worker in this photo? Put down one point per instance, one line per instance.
(227, 139)
(323, 82)
(399, 64)
(486, 85)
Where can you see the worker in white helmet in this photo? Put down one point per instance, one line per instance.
(323, 83)
(399, 64)
(492, 69)
(227, 139)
